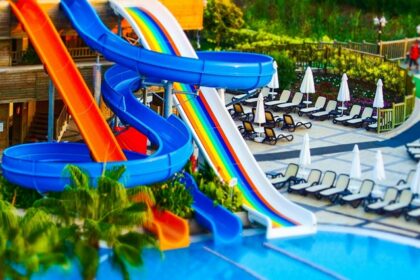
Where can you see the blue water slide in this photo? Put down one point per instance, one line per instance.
(213, 69)
(40, 166)
(225, 226)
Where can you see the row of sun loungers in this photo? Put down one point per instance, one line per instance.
(321, 110)
(396, 200)
(270, 136)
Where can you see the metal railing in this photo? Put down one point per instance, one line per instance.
(388, 119)
(395, 50)
(61, 121)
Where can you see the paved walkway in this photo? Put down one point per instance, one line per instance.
(331, 146)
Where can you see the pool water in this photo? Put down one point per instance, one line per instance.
(333, 255)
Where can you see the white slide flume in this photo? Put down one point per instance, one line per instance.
(216, 133)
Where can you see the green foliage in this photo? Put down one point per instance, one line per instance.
(285, 68)
(341, 20)
(173, 196)
(219, 17)
(16, 195)
(29, 244)
(221, 193)
(88, 215)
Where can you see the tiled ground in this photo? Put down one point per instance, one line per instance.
(325, 134)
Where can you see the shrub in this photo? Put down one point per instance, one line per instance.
(174, 197)
(220, 192)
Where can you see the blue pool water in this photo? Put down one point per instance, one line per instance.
(340, 255)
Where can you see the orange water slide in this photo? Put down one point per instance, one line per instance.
(172, 231)
(67, 79)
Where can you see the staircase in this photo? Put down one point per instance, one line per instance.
(38, 131)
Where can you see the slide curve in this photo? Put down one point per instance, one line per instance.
(40, 166)
(222, 69)
(225, 226)
(68, 81)
(213, 128)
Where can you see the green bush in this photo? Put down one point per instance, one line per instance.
(174, 197)
(285, 68)
(18, 196)
(220, 192)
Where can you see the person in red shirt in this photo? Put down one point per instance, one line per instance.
(414, 55)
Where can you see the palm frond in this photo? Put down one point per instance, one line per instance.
(79, 179)
(37, 223)
(132, 216)
(55, 207)
(115, 172)
(88, 258)
(138, 240)
(8, 218)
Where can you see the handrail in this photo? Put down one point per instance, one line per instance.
(60, 121)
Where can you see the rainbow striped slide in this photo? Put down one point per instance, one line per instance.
(212, 127)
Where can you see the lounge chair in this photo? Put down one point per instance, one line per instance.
(238, 112)
(247, 130)
(265, 91)
(313, 178)
(405, 184)
(364, 194)
(413, 214)
(289, 175)
(414, 152)
(415, 144)
(335, 191)
(241, 97)
(289, 123)
(354, 112)
(327, 182)
(325, 114)
(389, 197)
(366, 114)
(271, 137)
(319, 104)
(401, 204)
(271, 120)
(297, 99)
(284, 97)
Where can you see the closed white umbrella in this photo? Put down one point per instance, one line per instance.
(415, 184)
(356, 171)
(343, 92)
(308, 85)
(379, 170)
(260, 111)
(221, 92)
(274, 83)
(378, 102)
(305, 152)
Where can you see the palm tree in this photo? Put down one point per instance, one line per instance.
(29, 244)
(89, 216)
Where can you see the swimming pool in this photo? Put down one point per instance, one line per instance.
(326, 255)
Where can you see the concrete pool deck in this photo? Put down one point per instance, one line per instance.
(326, 135)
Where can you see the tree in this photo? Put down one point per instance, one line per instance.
(89, 216)
(219, 17)
(29, 244)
